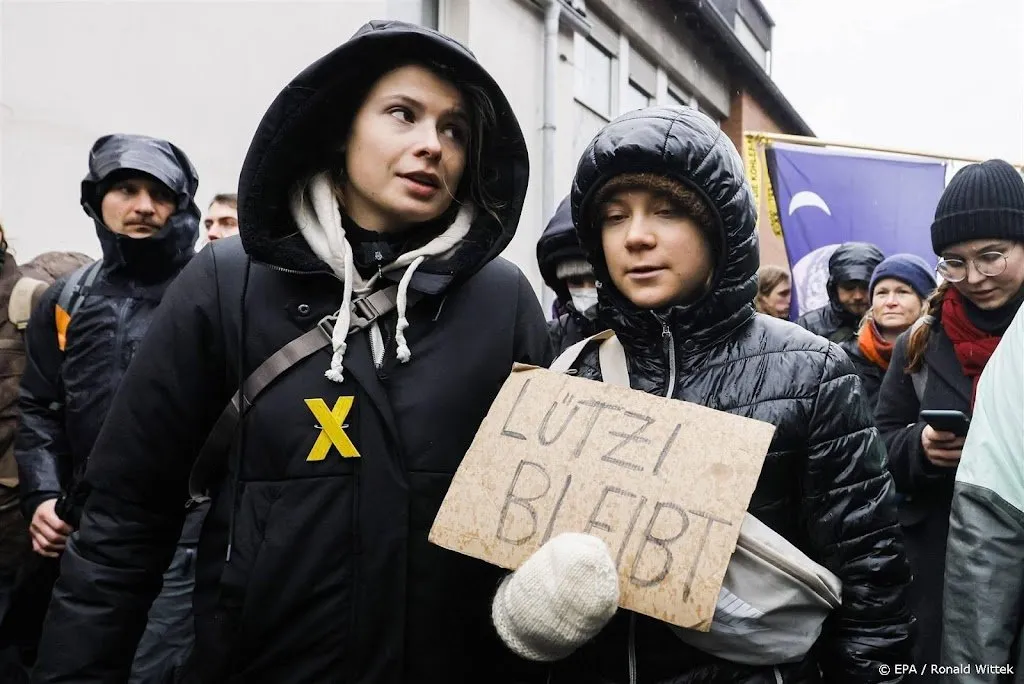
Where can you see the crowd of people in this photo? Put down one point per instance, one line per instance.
(223, 465)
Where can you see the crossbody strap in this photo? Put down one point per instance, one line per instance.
(611, 357)
(77, 287)
(365, 311)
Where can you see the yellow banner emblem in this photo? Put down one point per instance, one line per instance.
(332, 429)
(760, 180)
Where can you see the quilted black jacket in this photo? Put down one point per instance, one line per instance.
(824, 485)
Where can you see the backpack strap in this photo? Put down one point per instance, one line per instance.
(365, 311)
(70, 299)
(567, 358)
(24, 296)
(611, 356)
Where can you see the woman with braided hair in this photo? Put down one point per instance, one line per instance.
(978, 233)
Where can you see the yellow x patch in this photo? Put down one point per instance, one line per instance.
(332, 429)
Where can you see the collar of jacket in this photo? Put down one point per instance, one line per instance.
(694, 328)
(152, 259)
(842, 317)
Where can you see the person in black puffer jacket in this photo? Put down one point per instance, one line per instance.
(566, 271)
(393, 167)
(668, 222)
(849, 270)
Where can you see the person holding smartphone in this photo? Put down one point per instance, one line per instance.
(986, 526)
(978, 234)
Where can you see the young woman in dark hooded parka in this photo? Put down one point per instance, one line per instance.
(668, 222)
(394, 164)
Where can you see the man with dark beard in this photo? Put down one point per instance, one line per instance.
(849, 270)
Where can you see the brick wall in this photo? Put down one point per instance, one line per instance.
(747, 115)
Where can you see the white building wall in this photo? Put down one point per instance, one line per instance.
(508, 39)
(202, 73)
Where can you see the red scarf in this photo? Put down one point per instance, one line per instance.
(873, 346)
(973, 346)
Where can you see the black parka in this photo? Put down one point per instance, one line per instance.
(926, 489)
(311, 568)
(824, 485)
(65, 395)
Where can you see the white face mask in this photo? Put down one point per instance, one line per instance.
(585, 300)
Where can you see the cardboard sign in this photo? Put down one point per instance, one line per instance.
(665, 483)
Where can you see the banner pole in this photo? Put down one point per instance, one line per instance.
(817, 142)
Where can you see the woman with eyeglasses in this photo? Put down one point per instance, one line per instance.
(897, 293)
(978, 233)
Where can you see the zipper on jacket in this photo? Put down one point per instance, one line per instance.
(376, 345)
(632, 648)
(669, 343)
(292, 271)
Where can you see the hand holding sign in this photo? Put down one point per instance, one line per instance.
(664, 483)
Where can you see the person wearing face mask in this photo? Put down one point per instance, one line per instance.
(774, 291)
(319, 381)
(898, 290)
(849, 270)
(979, 234)
(566, 271)
(668, 220)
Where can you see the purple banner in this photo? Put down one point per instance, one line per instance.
(826, 198)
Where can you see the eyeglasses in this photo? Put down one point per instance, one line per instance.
(988, 264)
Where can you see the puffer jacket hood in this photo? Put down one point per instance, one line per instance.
(168, 250)
(300, 135)
(686, 146)
(823, 486)
(556, 244)
(852, 261)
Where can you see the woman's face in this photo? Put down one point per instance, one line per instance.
(987, 292)
(777, 301)
(894, 306)
(406, 151)
(656, 256)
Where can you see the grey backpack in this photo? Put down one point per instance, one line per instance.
(774, 599)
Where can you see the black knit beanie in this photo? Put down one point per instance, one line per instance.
(983, 201)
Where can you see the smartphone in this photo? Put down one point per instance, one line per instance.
(948, 421)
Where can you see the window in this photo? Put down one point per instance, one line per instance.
(635, 98)
(422, 12)
(711, 115)
(751, 42)
(586, 126)
(677, 96)
(594, 78)
(641, 84)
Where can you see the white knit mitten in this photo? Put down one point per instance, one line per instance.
(559, 599)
